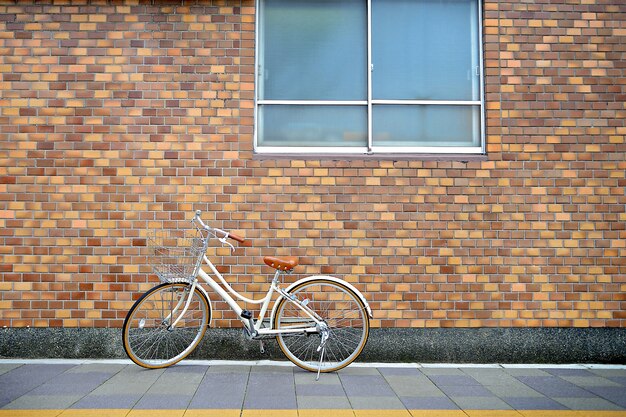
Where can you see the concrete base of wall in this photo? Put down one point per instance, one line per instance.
(483, 345)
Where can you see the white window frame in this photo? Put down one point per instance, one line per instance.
(371, 149)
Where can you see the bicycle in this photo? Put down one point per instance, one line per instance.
(321, 323)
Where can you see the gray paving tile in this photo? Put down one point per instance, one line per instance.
(6, 367)
(413, 386)
(616, 395)
(121, 387)
(305, 377)
(141, 374)
(429, 403)
(489, 376)
(227, 379)
(25, 378)
(359, 371)
(552, 386)
(130, 380)
(483, 371)
(169, 389)
(594, 403)
(175, 381)
(366, 385)
(232, 369)
(533, 403)
(270, 402)
(526, 372)
(107, 401)
(516, 389)
(466, 391)
(212, 400)
(590, 381)
(263, 383)
(422, 390)
(417, 377)
(609, 372)
(106, 368)
(272, 369)
(414, 372)
(568, 372)
(481, 403)
(304, 390)
(220, 390)
(188, 369)
(324, 402)
(270, 390)
(442, 371)
(43, 371)
(376, 403)
(163, 402)
(617, 379)
(448, 380)
(75, 378)
(42, 402)
(72, 384)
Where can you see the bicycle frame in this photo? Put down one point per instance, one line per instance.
(255, 329)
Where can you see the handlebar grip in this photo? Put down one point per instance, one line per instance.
(235, 237)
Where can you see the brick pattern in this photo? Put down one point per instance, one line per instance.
(118, 117)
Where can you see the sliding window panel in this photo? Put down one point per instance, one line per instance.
(425, 50)
(312, 126)
(414, 126)
(313, 50)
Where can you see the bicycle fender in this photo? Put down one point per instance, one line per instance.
(327, 278)
(208, 299)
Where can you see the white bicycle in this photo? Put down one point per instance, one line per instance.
(321, 323)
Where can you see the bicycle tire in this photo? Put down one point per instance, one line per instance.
(149, 340)
(343, 312)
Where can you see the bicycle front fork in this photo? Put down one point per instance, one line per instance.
(180, 303)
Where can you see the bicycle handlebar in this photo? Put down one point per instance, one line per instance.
(200, 223)
(235, 237)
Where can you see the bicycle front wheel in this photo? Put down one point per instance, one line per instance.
(344, 318)
(150, 338)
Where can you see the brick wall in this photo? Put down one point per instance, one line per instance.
(118, 118)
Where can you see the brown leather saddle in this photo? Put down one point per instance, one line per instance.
(285, 263)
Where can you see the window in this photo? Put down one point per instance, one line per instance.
(369, 76)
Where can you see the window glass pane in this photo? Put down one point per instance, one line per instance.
(332, 126)
(425, 50)
(313, 50)
(426, 125)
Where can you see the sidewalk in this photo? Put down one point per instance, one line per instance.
(194, 389)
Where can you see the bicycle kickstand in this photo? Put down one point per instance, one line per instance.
(322, 350)
(319, 368)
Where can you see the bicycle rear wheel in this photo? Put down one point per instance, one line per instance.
(149, 338)
(343, 314)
